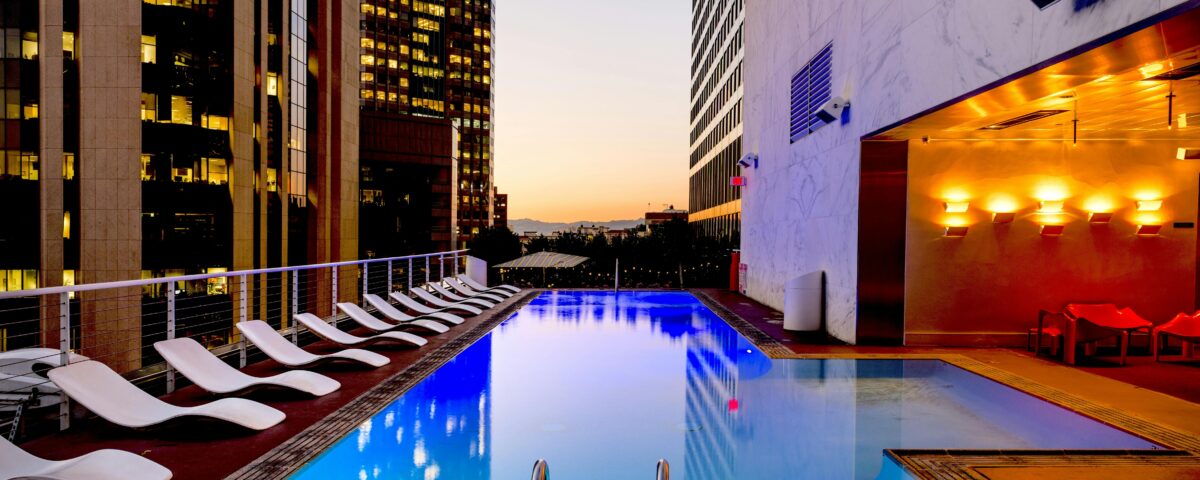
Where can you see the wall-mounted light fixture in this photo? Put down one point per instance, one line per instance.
(1100, 217)
(1053, 230)
(956, 207)
(1146, 230)
(1003, 217)
(1149, 205)
(956, 231)
(1050, 206)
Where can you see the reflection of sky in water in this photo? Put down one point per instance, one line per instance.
(602, 385)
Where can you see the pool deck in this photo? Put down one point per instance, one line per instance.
(1097, 390)
(205, 451)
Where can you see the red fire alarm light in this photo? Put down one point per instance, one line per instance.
(738, 181)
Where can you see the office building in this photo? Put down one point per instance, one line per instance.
(425, 73)
(167, 137)
(500, 207)
(716, 115)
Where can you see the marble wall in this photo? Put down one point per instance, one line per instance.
(893, 60)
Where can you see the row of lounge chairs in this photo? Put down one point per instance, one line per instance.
(1087, 324)
(108, 395)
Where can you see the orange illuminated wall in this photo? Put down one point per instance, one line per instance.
(985, 288)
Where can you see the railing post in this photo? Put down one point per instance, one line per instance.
(170, 331)
(364, 288)
(333, 298)
(295, 305)
(410, 274)
(441, 268)
(64, 354)
(427, 269)
(456, 264)
(242, 318)
(389, 277)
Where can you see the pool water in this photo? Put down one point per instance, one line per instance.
(604, 384)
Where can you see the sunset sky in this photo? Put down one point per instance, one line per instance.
(591, 111)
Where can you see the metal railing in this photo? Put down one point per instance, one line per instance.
(541, 470)
(117, 323)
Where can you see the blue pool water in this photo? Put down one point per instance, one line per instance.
(604, 384)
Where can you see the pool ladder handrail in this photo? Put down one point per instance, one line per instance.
(541, 470)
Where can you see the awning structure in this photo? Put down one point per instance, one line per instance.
(544, 260)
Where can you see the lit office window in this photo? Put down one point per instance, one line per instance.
(149, 49)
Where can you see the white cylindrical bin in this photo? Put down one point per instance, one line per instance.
(803, 302)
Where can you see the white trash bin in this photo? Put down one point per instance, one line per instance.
(803, 302)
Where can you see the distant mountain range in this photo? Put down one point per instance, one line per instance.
(523, 225)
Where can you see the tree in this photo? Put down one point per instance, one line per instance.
(495, 245)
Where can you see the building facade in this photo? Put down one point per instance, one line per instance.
(500, 209)
(165, 137)
(996, 159)
(425, 60)
(716, 115)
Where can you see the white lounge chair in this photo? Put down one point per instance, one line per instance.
(436, 301)
(210, 373)
(448, 295)
(481, 287)
(458, 288)
(395, 314)
(281, 350)
(411, 304)
(23, 370)
(364, 318)
(113, 398)
(98, 465)
(332, 334)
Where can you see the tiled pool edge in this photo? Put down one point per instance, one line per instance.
(294, 453)
(953, 464)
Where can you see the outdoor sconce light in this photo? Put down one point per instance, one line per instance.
(1052, 230)
(1100, 217)
(1184, 153)
(1148, 229)
(1149, 205)
(1003, 217)
(956, 231)
(1050, 206)
(956, 207)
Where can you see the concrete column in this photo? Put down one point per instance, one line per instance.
(50, 154)
(109, 43)
(241, 179)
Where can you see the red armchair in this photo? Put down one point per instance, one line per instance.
(1084, 323)
(1183, 326)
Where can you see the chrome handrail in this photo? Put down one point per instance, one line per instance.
(205, 276)
(663, 471)
(541, 471)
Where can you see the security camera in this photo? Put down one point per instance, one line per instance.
(748, 160)
(832, 109)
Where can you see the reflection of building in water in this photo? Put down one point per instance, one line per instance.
(440, 428)
(712, 377)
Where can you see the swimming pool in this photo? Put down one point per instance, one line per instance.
(603, 384)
